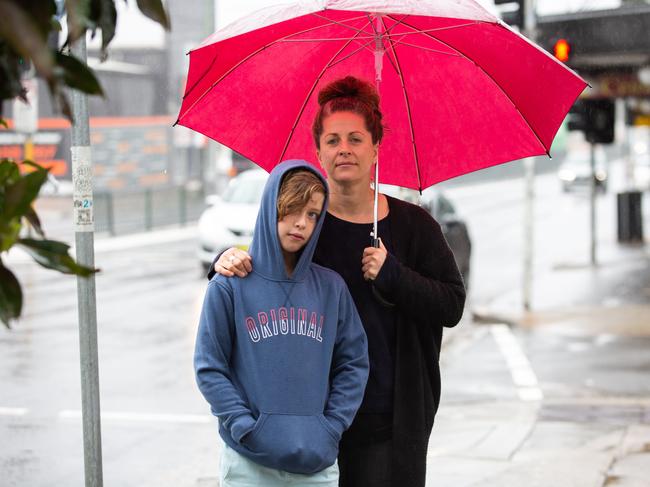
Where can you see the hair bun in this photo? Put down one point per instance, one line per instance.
(350, 87)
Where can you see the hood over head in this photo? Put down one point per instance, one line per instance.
(265, 249)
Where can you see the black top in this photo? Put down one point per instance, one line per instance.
(340, 248)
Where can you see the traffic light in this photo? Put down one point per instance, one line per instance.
(561, 50)
(595, 118)
(512, 12)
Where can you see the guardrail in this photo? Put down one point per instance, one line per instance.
(125, 212)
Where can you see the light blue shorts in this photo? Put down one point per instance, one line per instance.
(239, 471)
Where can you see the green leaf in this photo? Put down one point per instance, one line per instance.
(77, 75)
(78, 21)
(103, 15)
(65, 107)
(20, 195)
(10, 68)
(11, 296)
(41, 11)
(9, 172)
(21, 31)
(9, 233)
(32, 217)
(54, 255)
(60, 101)
(154, 10)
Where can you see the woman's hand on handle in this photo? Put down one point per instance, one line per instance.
(372, 261)
(234, 262)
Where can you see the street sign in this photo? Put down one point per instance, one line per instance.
(25, 115)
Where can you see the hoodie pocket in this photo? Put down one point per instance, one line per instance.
(294, 443)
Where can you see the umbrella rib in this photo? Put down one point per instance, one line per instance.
(311, 90)
(505, 93)
(242, 61)
(402, 43)
(418, 31)
(189, 90)
(321, 40)
(342, 24)
(364, 46)
(408, 110)
(428, 31)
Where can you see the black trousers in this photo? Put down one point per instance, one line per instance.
(365, 465)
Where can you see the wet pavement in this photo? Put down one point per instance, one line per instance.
(586, 348)
(558, 396)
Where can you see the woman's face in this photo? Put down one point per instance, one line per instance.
(346, 149)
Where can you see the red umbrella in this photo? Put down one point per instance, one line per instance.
(460, 90)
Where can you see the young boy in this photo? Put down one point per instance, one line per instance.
(281, 356)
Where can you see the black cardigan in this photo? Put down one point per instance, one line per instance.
(423, 282)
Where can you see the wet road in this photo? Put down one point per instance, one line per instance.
(154, 420)
(156, 428)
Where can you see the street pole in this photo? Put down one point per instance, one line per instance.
(529, 165)
(82, 182)
(592, 206)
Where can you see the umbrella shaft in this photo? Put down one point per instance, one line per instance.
(379, 48)
(375, 236)
(379, 65)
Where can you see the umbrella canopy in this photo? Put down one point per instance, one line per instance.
(460, 90)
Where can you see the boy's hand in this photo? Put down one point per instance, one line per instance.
(234, 262)
(372, 261)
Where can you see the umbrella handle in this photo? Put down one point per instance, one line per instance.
(383, 301)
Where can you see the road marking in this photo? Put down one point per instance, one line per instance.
(522, 373)
(142, 417)
(13, 411)
(165, 235)
(17, 255)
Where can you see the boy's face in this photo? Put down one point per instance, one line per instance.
(295, 229)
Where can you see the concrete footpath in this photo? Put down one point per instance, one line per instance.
(560, 440)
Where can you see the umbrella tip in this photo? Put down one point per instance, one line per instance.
(176, 122)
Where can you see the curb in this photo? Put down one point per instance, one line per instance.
(483, 315)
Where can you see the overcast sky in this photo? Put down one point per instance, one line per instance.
(136, 30)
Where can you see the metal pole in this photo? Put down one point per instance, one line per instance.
(529, 232)
(592, 203)
(182, 205)
(379, 65)
(529, 164)
(148, 209)
(82, 182)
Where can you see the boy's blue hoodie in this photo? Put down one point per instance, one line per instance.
(282, 360)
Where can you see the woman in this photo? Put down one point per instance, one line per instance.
(405, 291)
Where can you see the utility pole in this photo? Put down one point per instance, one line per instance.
(592, 201)
(82, 182)
(530, 28)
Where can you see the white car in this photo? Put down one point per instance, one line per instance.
(229, 220)
(575, 170)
